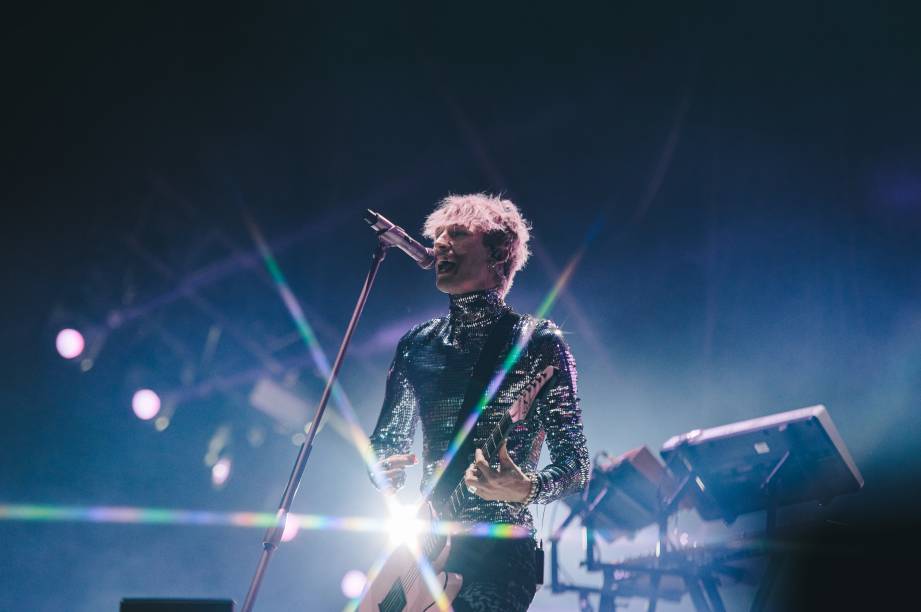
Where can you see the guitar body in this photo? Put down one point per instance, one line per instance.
(399, 587)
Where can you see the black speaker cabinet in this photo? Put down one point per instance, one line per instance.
(176, 605)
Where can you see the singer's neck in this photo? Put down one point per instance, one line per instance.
(477, 307)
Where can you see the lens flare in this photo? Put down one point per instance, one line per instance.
(353, 583)
(146, 404)
(69, 343)
(165, 516)
(403, 525)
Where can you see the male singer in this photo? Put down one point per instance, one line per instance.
(480, 242)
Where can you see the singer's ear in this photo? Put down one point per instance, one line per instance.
(499, 254)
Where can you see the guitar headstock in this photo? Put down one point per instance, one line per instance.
(522, 404)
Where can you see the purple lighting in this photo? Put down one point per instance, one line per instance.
(69, 343)
(146, 404)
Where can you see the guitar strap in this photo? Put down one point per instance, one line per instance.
(499, 337)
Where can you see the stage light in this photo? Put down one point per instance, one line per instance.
(70, 343)
(353, 583)
(403, 525)
(292, 526)
(146, 404)
(220, 472)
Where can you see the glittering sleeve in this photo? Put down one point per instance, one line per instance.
(560, 417)
(396, 424)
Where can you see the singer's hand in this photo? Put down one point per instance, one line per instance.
(389, 471)
(508, 483)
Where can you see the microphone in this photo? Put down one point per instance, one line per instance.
(395, 236)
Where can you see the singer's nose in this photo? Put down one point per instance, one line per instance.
(442, 244)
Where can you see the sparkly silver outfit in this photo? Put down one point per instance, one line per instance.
(428, 379)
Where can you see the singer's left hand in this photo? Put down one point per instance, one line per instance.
(508, 483)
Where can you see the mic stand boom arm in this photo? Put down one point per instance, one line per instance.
(273, 534)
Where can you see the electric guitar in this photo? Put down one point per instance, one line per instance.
(399, 586)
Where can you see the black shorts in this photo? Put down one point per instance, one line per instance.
(499, 574)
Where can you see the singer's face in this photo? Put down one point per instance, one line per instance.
(462, 261)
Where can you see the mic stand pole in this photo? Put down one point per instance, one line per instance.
(273, 534)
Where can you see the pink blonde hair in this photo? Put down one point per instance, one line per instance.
(500, 221)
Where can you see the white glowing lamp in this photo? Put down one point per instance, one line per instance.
(69, 343)
(220, 471)
(146, 404)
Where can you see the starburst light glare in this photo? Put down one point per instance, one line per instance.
(146, 404)
(69, 343)
(404, 525)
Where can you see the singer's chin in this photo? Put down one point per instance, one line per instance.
(443, 284)
(448, 282)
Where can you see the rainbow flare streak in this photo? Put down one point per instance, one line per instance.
(349, 429)
(165, 516)
(361, 442)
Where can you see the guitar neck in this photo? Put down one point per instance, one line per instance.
(517, 412)
(499, 433)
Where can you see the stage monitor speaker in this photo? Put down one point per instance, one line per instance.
(176, 605)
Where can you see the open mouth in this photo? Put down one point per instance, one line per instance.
(445, 266)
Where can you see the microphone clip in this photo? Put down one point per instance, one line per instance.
(391, 235)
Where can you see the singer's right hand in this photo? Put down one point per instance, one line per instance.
(391, 471)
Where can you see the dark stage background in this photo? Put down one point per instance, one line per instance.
(741, 186)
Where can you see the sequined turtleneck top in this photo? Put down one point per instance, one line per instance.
(428, 379)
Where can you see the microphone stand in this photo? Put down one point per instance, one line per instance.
(273, 534)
